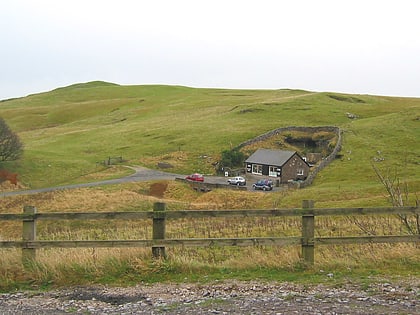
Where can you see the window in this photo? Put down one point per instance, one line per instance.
(300, 171)
(272, 171)
(257, 169)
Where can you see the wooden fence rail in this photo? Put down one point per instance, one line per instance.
(29, 243)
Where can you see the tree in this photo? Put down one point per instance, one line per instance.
(11, 148)
(232, 158)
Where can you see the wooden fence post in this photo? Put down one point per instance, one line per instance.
(28, 235)
(159, 229)
(308, 233)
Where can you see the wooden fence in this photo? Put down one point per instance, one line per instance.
(159, 215)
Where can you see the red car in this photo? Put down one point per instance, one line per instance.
(195, 177)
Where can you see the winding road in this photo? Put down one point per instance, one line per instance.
(141, 174)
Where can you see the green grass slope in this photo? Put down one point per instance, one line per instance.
(68, 130)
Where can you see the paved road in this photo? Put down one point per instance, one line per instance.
(141, 174)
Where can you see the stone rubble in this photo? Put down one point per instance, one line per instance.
(227, 297)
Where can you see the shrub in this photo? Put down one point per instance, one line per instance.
(232, 158)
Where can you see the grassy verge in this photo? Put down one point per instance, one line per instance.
(130, 267)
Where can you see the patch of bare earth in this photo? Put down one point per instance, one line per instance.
(158, 189)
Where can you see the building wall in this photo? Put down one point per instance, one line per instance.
(265, 170)
(290, 169)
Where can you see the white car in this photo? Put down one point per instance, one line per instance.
(238, 180)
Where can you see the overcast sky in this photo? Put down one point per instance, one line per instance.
(357, 46)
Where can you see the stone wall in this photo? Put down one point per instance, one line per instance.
(325, 162)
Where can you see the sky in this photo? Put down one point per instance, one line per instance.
(358, 46)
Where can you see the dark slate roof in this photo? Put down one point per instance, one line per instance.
(270, 157)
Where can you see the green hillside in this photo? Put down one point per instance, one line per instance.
(67, 131)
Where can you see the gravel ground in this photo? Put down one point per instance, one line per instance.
(228, 297)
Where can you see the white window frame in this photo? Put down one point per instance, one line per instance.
(257, 169)
(272, 171)
(300, 172)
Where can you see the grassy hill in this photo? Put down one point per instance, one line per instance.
(67, 131)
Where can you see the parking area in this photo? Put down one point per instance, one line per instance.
(222, 182)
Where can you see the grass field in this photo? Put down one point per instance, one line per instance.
(69, 131)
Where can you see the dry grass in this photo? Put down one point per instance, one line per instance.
(72, 266)
(64, 267)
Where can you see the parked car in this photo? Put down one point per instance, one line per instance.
(195, 177)
(238, 180)
(263, 184)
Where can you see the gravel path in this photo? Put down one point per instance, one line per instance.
(230, 297)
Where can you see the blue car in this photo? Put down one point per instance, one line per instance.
(263, 184)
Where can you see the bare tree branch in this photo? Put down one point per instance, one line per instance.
(399, 197)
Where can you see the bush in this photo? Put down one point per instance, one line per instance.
(232, 158)
(11, 147)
